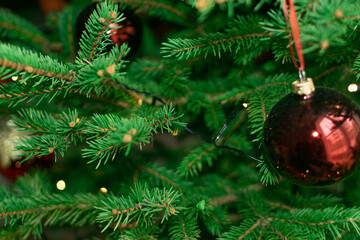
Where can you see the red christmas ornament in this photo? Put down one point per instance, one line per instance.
(122, 33)
(313, 139)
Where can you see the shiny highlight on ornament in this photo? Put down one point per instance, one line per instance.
(61, 185)
(315, 134)
(103, 190)
(353, 87)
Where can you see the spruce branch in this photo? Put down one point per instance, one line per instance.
(192, 163)
(103, 149)
(95, 39)
(38, 75)
(100, 125)
(326, 224)
(142, 206)
(174, 12)
(38, 121)
(147, 69)
(103, 74)
(325, 221)
(105, 134)
(122, 133)
(28, 64)
(260, 103)
(183, 227)
(244, 32)
(160, 176)
(31, 211)
(238, 94)
(212, 43)
(175, 82)
(66, 31)
(143, 233)
(15, 93)
(41, 76)
(356, 66)
(37, 146)
(268, 175)
(49, 134)
(15, 28)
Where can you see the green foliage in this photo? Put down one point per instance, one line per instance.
(125, 133)
(36, 74)
(293, 223)
(38, 146)
(95, 39)
(100, 75)
(44, 208)
(177, 12)
(193, 162)
(218, 57)
(174, 83)
(145, 70)
(258, 112)
(30, 66)
(142, 233)
(184, 228)
(30, 210)
(13, 28)
(66, 30)
(52, 135)
(161, 176)
(243, 32)
(142, 206)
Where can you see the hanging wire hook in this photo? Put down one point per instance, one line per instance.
(302, 75)
(201, 137)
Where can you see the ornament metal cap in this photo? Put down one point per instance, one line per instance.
(304, 87)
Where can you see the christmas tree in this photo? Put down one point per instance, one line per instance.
(132, 119)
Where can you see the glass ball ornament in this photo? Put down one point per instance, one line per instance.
(313, 140)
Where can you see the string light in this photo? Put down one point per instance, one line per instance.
(175, 132)
(245, 105)
(14, 78)
(103, 190)
(353, 87)
(61, 185)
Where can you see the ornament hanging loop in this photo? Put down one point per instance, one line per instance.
(289, 11)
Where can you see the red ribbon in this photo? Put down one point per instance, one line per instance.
(294, 25)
